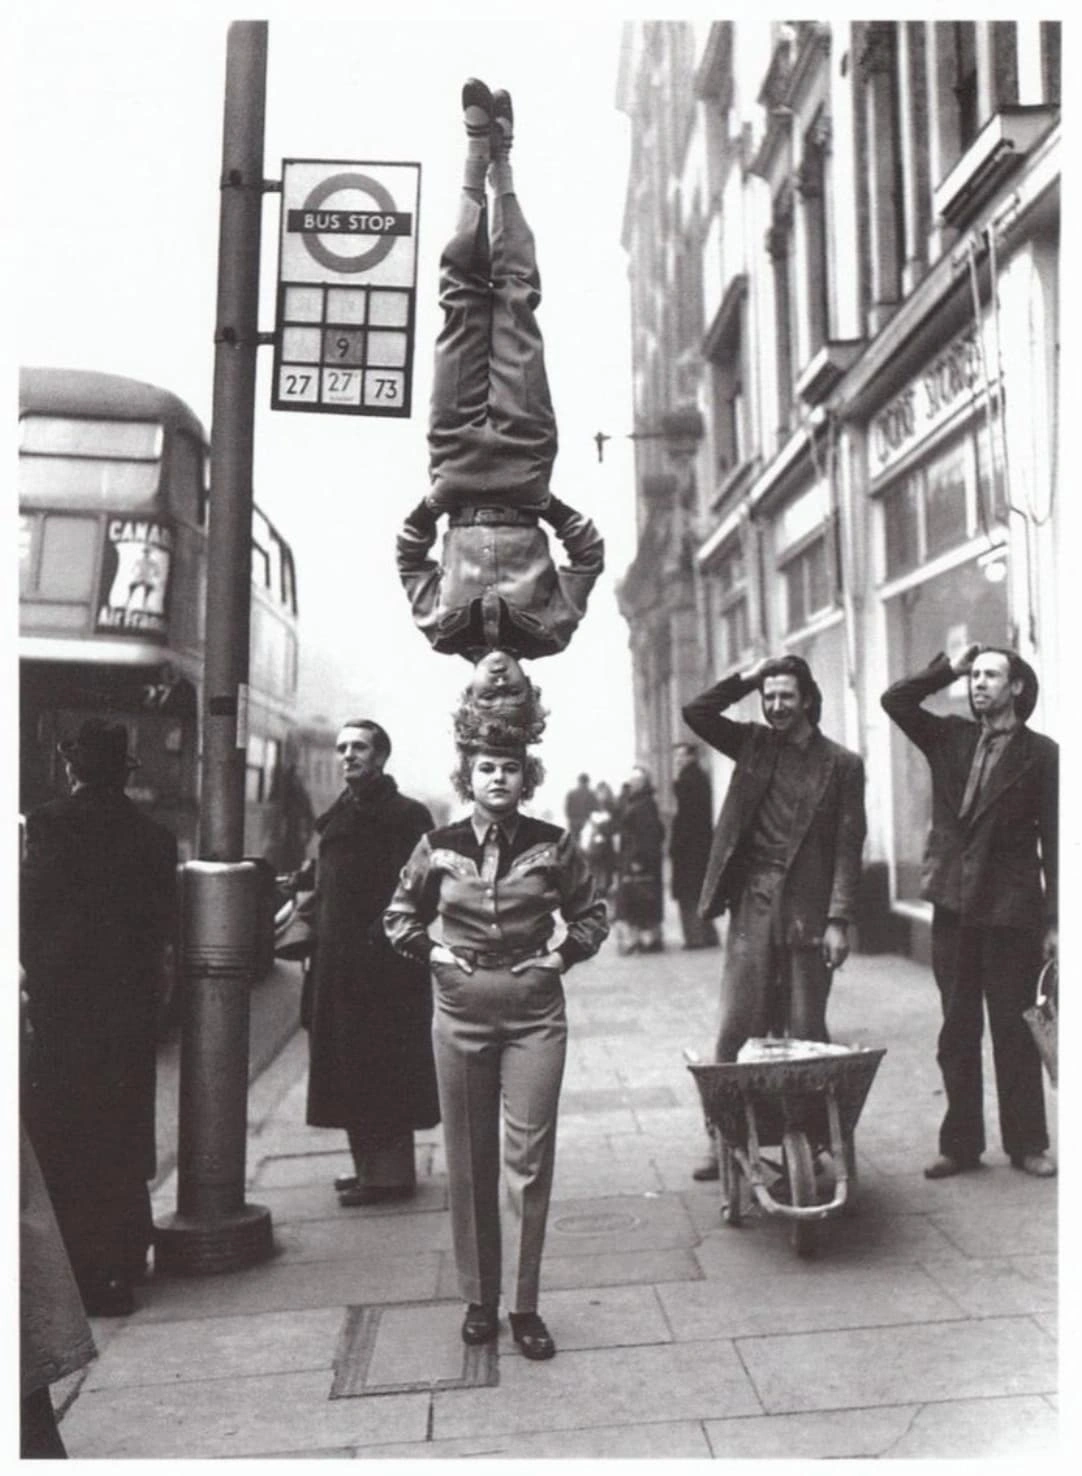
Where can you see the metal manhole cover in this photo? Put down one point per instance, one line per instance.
(597, 1224)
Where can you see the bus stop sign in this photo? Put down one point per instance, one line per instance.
(347, 287)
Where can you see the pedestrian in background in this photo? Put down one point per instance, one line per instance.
(578, 804)
(597, 839)
(368, 1011)
(496, 881)
(689, 844)
(639, 903)
(97, 914)
(990, 871)
(785, 858)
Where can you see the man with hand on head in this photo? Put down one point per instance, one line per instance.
(785, 858)
(990, 872)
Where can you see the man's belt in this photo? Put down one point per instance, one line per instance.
(480, 958)
(505, 517)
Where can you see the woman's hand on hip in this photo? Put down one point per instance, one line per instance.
(443, 955)
(542, 961)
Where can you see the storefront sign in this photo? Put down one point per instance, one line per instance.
(135, 577)
(926, 402)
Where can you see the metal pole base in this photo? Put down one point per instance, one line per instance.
(184, 1246)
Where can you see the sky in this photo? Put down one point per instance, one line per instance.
(118, 120)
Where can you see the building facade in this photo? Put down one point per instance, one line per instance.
(843, 247)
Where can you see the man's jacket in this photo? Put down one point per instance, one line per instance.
(496, 586)
(822, 864)
(988, 866)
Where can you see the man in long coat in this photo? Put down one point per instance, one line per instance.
(990, 871)
(689, 844)
(97, 908)
(368, 1010)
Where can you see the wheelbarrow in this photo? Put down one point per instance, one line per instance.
(803, 1098)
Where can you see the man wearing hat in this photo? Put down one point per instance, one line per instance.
(990, 872)
(785, 858)
(97, 909)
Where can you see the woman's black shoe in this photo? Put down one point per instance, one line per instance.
(108, 1297)
(344, 1182)
(481, 1324)
(532, 1336)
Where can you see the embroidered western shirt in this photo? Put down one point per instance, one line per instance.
(541, 872)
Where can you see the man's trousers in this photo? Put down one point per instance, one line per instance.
(492, 429)
(499, 1038)
(765, 985)
(1000, 966)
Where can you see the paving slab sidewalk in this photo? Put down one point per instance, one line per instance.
(924, 1326)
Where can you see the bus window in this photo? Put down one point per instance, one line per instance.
(253, 769)
(66, 564)
(98, 463)
(187, 481)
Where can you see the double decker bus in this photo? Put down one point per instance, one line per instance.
(113, 495)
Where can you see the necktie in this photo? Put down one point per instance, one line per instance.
(977, 771)
(490, 855)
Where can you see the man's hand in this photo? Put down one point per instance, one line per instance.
(961, 664)
(835, 944)
(1050, 946)
(545, 961)
(753, 672)
(442, 955)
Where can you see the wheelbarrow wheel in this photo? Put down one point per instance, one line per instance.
(732, 1187)
(800, 1172)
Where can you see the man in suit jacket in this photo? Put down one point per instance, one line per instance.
(990, 873)
(785, 858)
(97, 907)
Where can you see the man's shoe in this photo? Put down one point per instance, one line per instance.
(945, 1167)
(503, 124)
(1037, 1164)
(476, 108)
(707, 1172)
(344, 1182)
(532, 1336)
(110, 1297)
(480, 1325)
(374, 1194)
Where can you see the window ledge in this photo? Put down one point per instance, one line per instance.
(822, 372)
(998, 149)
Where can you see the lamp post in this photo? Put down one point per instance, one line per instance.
(221, 903)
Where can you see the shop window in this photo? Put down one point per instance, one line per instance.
(900, 525)
(945, 503)
(943, 613)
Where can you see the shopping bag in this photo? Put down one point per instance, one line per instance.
(1042, 1019)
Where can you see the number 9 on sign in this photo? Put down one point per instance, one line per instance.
(383, 387)
(299, 385)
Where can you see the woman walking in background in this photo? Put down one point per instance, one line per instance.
(638, 893)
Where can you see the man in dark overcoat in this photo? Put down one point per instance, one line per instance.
(990, 871)
(785, 858)
(97, 910)
(689, 844)
(368, 1010)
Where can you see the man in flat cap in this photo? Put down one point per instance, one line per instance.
(990, 869)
